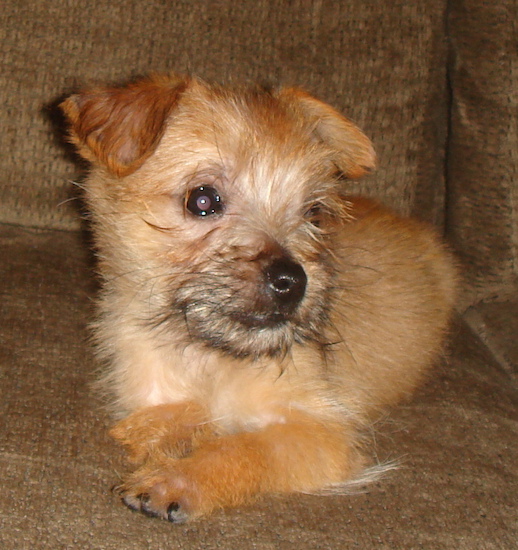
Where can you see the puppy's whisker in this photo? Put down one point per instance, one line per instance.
(169, 230)
(66, 201)
(77, 184)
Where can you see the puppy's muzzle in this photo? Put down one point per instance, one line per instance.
(286, 283)
(282, 289)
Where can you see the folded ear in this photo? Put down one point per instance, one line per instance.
(353, 151)
(119, 128)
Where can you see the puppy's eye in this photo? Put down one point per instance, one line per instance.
(314, 215)
(204, 201)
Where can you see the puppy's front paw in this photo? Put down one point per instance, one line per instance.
(164, 493)
(224, 472)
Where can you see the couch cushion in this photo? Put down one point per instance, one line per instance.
(383, 64)
(457, 441)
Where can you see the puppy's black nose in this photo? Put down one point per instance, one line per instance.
(286, 281)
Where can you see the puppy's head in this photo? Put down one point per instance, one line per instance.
(216, 210)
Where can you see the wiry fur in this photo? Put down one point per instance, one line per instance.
(223, 394)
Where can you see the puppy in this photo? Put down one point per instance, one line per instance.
(253, 318)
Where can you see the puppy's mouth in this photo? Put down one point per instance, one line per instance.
(246, 334)
(260, 320)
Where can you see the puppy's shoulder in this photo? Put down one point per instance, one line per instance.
(372, 218)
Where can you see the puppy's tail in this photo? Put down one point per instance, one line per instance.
(359, 484)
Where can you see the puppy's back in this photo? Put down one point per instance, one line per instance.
(393, 301)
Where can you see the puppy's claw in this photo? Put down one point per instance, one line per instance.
(132, 504)
(141, 503)
(175, 514)
(145, 506)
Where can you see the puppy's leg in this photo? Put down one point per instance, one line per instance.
(170, 430)
(303, 454)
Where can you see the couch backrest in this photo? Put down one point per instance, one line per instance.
(482, 170)
(387, 65)
(383, 64)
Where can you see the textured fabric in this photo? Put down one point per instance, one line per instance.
(483, 152)
(383, 64)
(457, 442)
(497, 324)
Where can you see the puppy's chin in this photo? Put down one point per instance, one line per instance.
(259, 320)
(246, 335)
(242, 341)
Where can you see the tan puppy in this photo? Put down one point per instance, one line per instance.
(253, 318)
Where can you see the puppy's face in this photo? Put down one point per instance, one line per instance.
(216, 210)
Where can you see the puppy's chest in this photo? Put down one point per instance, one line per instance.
(237, 397)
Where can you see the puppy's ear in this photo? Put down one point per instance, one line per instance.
(119, 128)
(353, 151)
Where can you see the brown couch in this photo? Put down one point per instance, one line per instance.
(434, 83)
